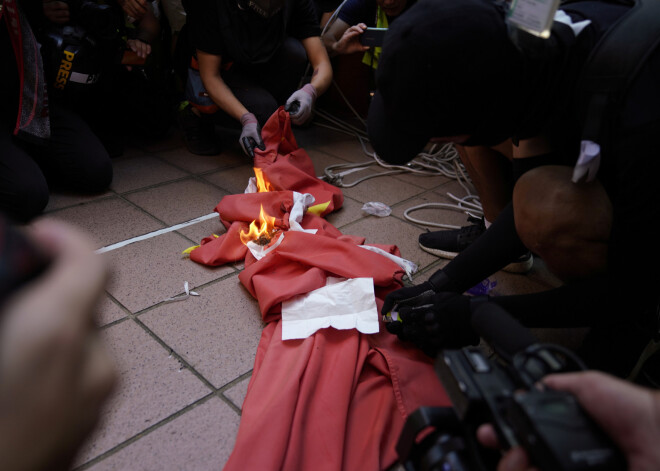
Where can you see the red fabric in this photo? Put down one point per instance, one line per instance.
(338, 399)
(288, 167)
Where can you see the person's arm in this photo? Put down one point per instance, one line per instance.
(220, 93)
(148, 29)
(301, 103)
(341, 38)
(321, 67)
(55, 371)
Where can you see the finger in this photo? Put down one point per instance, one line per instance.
(514, 460)
(388, 304)
(248, 146)
(394, 327)
(75, 273)
(487, 436)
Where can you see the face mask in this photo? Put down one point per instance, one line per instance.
(264, 8)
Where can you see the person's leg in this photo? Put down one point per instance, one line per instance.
(567, 224)
(490, 172)
(75, 160)
(246, 85)
(282, 75)
(23, 188)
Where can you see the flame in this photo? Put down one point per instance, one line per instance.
(261, 234)
(262, 185)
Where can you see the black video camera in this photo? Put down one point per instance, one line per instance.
(504, 391)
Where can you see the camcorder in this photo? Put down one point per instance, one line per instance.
(504, 390)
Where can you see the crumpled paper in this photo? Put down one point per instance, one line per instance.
(342, 304)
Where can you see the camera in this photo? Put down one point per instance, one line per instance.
(79, 53)
(98, 19)
(504, 390)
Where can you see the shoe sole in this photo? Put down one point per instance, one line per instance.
(439, 253)
(521, 267)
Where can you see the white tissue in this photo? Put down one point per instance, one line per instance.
(349, 304)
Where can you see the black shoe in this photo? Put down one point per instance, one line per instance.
(449, 243)
(198, 133)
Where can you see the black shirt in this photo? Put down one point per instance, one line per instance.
(239, 35)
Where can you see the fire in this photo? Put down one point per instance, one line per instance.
(262, 185)
(262, 234)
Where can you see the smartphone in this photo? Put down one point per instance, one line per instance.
(373, 37)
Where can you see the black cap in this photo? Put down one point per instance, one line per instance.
(447, 68)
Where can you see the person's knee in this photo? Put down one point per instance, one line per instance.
(566, 224)
(23, 203)
(97, 175)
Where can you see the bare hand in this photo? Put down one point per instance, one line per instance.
(55, 372)
(134, 8)
(350, 40)
(56, 11)
(628, 413)
(142, 49)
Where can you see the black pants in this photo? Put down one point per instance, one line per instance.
(263, 88)
(73, 160)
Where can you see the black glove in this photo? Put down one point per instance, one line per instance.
(410, 296)
(437, 321)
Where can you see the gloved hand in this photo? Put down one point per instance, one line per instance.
(438, 321)
(300, 104)
(251, 134)
(409, 296)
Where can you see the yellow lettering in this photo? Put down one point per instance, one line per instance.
(69, 56)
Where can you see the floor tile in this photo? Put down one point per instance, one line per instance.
(217, 332)
(202, 163)
(322, 160)
(236, 394)
(105, 221)
(199, 231)
(108, 311)
(64, 200)
(179, 201)
(392, 231)
(147, 272)
(233, 180)
(385, 189)
(350, 211)
(133, 172)
(201, 439)
(316, 134)
(431, 214)
(153, 385)
(350, 150)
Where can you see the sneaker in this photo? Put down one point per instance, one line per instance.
(448, 244)
(198, 133)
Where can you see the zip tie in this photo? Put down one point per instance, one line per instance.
(182, 297)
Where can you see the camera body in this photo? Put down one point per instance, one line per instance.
(79, 53)
(550, 425)
(99, 19)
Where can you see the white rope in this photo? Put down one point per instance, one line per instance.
(439, 160)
